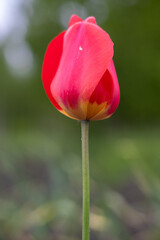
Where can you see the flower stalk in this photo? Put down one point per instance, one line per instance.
(85, 179)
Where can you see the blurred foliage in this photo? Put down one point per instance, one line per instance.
(41, 189)
(40, 155)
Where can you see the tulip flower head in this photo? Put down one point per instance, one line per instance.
(78, 73)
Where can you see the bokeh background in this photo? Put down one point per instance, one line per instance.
(40, 149)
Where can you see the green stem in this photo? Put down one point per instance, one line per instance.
(85, 176)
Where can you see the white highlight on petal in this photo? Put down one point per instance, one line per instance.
(80, 48)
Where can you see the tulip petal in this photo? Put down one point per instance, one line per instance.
(74, 19)
(87, 53)
(91, 20)
(50, 65)
(104, 90)
(107, 92)
(116, 96)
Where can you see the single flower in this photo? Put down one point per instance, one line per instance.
(78, 73)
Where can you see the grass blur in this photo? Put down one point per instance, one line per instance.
(40, 182)
(40, 149)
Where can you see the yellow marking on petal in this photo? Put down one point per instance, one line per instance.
(68, 115)
(86, 110)
(78, 112)
(101, 116)
(95, 109)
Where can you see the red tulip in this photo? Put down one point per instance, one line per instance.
(78, 71)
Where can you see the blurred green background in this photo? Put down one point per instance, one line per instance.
(40, 152)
